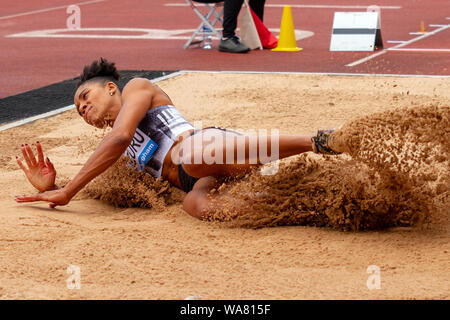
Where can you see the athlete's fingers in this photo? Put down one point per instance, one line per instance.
(49, 164)
(40, 154)
(28, 198)
(52, 205)
(25, 156)
(31, 154)
(21, 165)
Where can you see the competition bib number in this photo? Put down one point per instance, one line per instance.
(141, 149)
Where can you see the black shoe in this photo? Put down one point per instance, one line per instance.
(233, 45)
(323, 141)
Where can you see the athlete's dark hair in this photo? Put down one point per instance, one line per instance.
(101, 70)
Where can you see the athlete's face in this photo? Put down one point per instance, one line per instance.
(95, 101)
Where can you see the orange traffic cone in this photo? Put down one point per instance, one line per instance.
(286, 41)
(422, 27)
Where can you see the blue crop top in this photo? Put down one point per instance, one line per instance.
(154, 137)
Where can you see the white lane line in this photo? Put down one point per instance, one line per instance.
(181, 72)
(133, 33)
(34, 118)
(323, 74)
(318, 6)
(70, 107)
(309, 6)
(417, 33)
(171, 75)
(48, 9)
(400, 45)
(395, 41)
(419, 49)
(355, 63)
(437, 25)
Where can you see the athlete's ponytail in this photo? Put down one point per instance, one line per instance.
(101, 70)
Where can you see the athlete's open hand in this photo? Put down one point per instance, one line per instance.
(55, 197)
(40, 173)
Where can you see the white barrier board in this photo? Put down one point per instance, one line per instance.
(356, 31)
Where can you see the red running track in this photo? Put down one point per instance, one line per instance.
(29, 63)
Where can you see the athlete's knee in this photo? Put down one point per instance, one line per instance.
(197, 205)
(204, 211)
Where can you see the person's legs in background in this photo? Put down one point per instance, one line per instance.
(258, 7)
(230, 42)
(231, 12)
(230, 15)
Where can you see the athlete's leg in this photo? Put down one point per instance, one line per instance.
(200, 203)
(219, 153)
(196, 202)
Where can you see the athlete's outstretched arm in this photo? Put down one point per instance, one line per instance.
(136, 99)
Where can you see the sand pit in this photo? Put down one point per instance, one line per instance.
(162, 253)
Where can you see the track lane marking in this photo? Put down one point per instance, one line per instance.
(46, 10)
(179, 73)
(400, 45)
(34, 118)
(420, 49)
(48, 114)
(307, 6)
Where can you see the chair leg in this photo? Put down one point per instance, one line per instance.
(217, 16)
(191, 40)
(217, 19)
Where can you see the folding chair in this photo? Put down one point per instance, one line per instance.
(210, 19)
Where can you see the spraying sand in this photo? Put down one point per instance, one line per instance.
(400, 176)
(137, 242)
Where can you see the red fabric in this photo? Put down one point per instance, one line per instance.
(268, 40)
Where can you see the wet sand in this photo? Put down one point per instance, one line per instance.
(163, 253)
